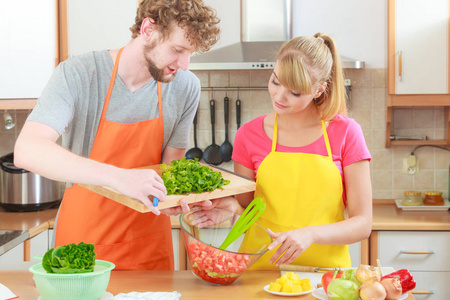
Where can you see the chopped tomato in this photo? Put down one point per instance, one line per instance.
(214, 265)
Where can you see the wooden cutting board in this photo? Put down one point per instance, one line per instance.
(237, 185)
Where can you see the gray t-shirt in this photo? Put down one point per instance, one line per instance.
(73, 99)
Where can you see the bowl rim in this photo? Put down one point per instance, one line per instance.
(241, 253)
(109, 267)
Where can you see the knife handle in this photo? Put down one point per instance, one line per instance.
(297, 268)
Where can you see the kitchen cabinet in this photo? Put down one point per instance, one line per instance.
(29, 50)
(97, 25)
(418, 61)
(424, 253)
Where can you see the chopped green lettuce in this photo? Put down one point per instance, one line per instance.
(184, 176)
(70, 259)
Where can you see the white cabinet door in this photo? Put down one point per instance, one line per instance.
(421, 43)
(27, 47)
(355, 253)
(99, 24)
(415, 250)
(436, 283)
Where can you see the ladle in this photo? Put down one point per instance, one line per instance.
(226, 149)
(195, 152)
(212, 152)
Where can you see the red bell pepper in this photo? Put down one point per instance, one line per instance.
(406, 279)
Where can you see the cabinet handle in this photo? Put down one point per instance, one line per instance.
(423, 292)
(418, 252)
(400, 70)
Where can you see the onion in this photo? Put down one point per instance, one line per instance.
(365, 273)
(372, 290)
(393, 287)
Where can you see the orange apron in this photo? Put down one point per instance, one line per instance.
(301, 189)
(130, 239)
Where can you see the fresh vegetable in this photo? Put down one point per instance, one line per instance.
(184, 176)
(406, 279)
(215, 265)
(328, 276)
(344, 288)
(290, 282)
(365, 273)
(70, 259)
(372, 290)
(393, 287)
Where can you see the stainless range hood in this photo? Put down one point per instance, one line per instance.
(265, 26)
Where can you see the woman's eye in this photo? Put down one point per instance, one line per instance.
(275, 83)
(176, 50)
(295, 94)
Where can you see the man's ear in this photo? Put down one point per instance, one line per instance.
(148, 26)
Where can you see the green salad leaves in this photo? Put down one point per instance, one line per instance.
(70, 259)
(184, 176)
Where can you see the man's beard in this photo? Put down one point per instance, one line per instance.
(155, 72)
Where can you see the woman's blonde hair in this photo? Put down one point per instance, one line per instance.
(199, 20)
(306, 62)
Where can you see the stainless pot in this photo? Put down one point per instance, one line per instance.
(22, 190)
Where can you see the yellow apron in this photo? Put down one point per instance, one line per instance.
(301, 189)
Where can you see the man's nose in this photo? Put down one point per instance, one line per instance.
(183, 61)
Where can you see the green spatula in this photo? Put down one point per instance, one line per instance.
(248, 217)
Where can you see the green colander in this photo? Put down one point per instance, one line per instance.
(81, 286)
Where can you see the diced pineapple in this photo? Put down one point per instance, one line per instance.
(274, 287)
(287, 287)
(297, 288)
(306, 284)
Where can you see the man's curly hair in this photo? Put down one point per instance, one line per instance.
(199, 20)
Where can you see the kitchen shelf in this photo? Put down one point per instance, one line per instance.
(28, 103)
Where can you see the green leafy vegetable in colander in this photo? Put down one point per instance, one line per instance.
(70, 259)
(184, 176)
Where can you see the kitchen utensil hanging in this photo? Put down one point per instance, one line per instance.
(195, 152)
(226, 149)
(212, 153)
(238, 112)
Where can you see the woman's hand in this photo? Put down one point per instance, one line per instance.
(220, 210)
(185, 207)
(292, 244)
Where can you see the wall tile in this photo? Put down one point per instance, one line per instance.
(219, 79)
(259, 77)
(382, 180)
(381, 160)
(379, 78)
(424, 181)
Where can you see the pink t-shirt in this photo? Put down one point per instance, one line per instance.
(252, 145)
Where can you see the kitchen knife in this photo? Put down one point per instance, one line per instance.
(297, 268)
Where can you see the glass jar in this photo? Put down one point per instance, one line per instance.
(433, 198)
(412, 198)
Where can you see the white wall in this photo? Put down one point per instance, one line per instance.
(358, 27)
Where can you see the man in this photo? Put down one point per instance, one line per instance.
(118, 110)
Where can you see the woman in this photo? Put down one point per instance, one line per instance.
(310, 162)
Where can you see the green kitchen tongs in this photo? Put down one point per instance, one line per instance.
(248, 217)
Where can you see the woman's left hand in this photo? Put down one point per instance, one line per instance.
(292, 244)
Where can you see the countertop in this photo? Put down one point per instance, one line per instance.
(248, 286)
(386, 216)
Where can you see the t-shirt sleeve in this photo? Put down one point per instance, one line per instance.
(240, 152)
(180, 135)
(55, 106)
(355, 148)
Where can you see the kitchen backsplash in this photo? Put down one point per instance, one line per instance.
(367, 106)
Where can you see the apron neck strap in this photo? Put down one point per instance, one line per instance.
(111, 84)
(325, 136)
